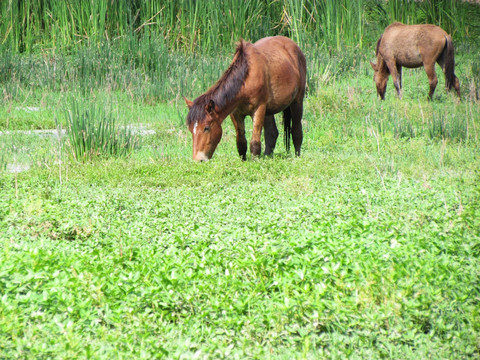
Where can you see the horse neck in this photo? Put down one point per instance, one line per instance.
(226, 93)
(228, 108)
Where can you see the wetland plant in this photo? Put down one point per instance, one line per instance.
(93, 131)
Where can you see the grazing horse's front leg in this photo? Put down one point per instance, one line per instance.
(396, 76)
(258, 121)
(239, 123)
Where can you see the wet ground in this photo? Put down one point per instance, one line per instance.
(20, 149)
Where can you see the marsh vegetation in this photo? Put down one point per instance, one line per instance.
(366, 246)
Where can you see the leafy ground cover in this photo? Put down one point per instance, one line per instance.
(365, 246)
(275, 257)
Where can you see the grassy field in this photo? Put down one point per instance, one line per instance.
(366, 246)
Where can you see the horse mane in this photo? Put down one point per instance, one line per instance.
(378, 44)
(226, 88)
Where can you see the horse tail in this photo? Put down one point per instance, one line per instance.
(287, 127)
(449, 63)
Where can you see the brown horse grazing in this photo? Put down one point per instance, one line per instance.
(264, 78)
(413, 46)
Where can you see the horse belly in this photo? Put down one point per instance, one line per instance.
(409, 58)
(279, 103)
(275, 109)
(276, 92)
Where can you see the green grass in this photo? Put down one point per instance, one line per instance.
(366, 246)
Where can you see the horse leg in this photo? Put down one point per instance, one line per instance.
(400, 70)
(456, 85)
(396, 76)
(296, 111)
(432, 78)
(271, 134)
(239, 123)
(258, 121)
(441, 62)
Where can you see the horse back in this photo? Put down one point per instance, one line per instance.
(411, 45)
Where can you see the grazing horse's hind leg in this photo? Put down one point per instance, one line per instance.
(400, 69)
(441, 63)
(432, 78)
(270, 134)
(296, 110)
(456, 83)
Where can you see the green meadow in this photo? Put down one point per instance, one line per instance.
(114, 244)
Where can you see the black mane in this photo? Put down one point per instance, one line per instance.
(226, 88)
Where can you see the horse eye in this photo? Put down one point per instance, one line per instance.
(206, 129)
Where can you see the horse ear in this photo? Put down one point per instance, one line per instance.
(210, 107)
(374, 66)
(188, 102)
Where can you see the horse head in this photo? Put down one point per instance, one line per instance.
(206, 127)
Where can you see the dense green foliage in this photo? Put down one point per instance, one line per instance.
(106, 48)
(366, 246)
(32, 25)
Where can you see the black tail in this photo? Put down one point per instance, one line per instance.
(287, 127)
(449, 63)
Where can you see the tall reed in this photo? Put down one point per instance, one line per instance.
(93, 132)
(161, 50)
(205, 26)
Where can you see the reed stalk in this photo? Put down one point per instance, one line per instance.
(93, 132)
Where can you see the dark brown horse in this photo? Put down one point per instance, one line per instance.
(413, 46)
(264, 78)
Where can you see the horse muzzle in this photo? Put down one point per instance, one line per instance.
(200, 156)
